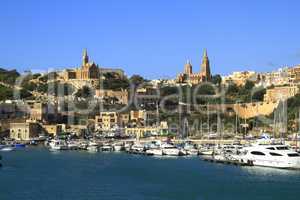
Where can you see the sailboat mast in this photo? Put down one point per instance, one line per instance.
(208, 129)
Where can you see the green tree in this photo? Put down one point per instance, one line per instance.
(8, 76)
(84, 92)
(136, 80)
(217, 79)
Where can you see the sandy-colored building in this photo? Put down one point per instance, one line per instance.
(195, 78)
(240, 78)
(280, 93)
(87, 71)
(53, 129)
(294, 74)
(24, 130)
(120, 96)
(148, 130)
(106, 121)
(136, 115)
(124, 119)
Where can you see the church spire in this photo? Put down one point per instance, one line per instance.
(205, 67)
(188, 68)
(85, 57)
(205, 53)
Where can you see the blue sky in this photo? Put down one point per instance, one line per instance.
(153, 38)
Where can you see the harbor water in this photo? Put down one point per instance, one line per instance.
(37, 173)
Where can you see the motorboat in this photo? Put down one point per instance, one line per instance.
(155, 151)
(117, 147)
(106, 148)
(137, 147)
(92, 148)
(58, 145)
(207, 151)
(190, 149)
(270, 155)
(170, 149)
(72, 145)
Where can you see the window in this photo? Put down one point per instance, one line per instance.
(282, 148)
(275, 154)
(257, 153)
(271, 148)
(294, 155)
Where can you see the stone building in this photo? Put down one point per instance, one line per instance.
(53, 129)
(40, 111)
(143, 131)
(124, 119)
(87, 71)
(106, 121)
(280, 93)
(240, 78)
(136, 115)
(121, 96)
(195, 78)
(294, 74)
(24, 130)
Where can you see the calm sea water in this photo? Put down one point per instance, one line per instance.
(37, 174)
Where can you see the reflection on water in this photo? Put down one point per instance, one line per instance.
(267, 171)
(39, 174)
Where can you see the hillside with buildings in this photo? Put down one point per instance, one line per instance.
(92, 100)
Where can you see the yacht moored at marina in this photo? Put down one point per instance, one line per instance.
(155, 151)
(276, 156)
(58, 145)
(170, 149)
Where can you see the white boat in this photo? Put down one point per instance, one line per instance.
(58, 145)
(192, 152)
(170, 150)
(276, 155)
(117, 147)
(207, 151)
(127, 146)
(190, 149)
(92, 148)
(72, 145)
(155, 151)
(137, 147)
(106, 147)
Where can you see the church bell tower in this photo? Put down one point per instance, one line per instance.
(205, 67)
